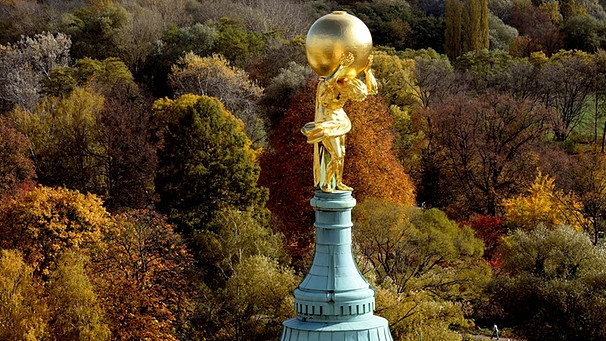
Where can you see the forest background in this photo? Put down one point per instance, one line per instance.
(155, 184)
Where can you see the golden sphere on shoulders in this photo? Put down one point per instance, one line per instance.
(334, 35)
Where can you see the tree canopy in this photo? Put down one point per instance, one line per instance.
(206, 162)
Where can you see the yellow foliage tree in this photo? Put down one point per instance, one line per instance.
(417, 315)
(45, 222)
(78, 313)
(543, 204)
(23, 314)
(258, 298)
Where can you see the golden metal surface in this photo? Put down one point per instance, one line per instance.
(334, 35)
(338, 48)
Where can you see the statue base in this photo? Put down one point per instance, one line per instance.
(334, 301)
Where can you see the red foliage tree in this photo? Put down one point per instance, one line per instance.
(370, 166)
(490, 230)
(531, 22)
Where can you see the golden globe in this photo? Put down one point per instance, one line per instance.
(334, 35)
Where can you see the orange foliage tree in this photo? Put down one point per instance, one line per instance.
(142, 277)
(16, 168)
(370, 166)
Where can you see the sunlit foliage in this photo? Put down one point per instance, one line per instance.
(551, 284)
(422, 263)
(22, 310)
(543, 204)
(45, 222)
(215, 77)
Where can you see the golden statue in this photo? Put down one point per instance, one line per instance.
(338, 49)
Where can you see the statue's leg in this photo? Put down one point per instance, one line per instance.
(331, 146)
(335, 147)
(341, 164)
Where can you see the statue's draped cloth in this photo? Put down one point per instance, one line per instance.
(331, 121)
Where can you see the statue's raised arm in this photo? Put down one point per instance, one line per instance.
(338, 48)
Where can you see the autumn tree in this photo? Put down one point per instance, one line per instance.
(22, 18)
(401, 93)
(482, 70)
(536, 28)
(231, 238)
(16, 167)
(399, 24)
(522, 78)
(92, 133)
(262, 16)
(145, 25)
(174, 43)
(110, 76)
(543, 204)
(206, 163)
(129, 161)
(571, 8)
(589, 183)
(282, 88)
(237, 42)
(142, 279)
(124, 159)
(396, 79)
(75, 305)
(407, 81)
(248, 285)
(568, 80)
(215, 77)
(550, 285)
(64, 136)
(490, 230)
(25, 64)
(397, 243)
(370, 166)
(286, 164)
(584, 33)
(402, 249)
(258, 298)
(96, 30)
(378, 174)
(23, 311)
(44, 222)
(500, 34)
(489, 144)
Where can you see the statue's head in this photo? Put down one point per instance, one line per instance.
(334, 35)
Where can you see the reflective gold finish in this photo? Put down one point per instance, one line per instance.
(338, 48)
(333, 36)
